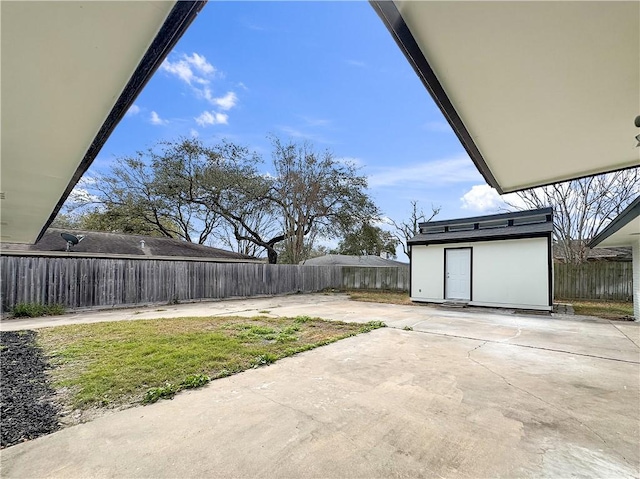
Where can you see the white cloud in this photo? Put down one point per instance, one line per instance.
(431, 173)
(226, 102)
(211, 118)
(315, 121)
(356, 63)
(295, 133)
(81, 194)
(438, 127)
(133, 110)
(155, 119)
(194, 133)
(190, 69)
(200, 63)
(485, 199)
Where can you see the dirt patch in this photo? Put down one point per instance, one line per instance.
(27, 408)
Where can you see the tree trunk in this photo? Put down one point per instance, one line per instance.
(272, 255)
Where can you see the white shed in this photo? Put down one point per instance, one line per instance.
(500, 260)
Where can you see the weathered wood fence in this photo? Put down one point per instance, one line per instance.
(358, 277)
(595, 280)
(91, 282)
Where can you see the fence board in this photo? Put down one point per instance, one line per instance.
(595, 280)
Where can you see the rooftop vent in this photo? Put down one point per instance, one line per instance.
(529, 220)
(486, 225)
(432, 229)
(461, 227)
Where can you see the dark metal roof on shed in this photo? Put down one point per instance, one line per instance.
(100, 242)
(519, 224)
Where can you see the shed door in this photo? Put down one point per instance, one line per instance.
(458, 274)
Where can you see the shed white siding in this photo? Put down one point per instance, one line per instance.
(504, 273)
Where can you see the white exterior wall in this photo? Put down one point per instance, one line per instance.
(427, 273)
(636, 279)
(505, 273)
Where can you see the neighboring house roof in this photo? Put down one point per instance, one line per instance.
(623, 230)
(349, 260)
(518, 224)
(103, 243)
(605, 254)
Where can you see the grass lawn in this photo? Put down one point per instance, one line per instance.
(602, 309)
(127, 362)
(390, 297)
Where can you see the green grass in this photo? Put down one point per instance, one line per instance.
(34, 310)
(375, 296)
(128, 362)
(602, 309)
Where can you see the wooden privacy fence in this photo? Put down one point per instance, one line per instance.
(358, 277)
(87, 282)
(595, 280)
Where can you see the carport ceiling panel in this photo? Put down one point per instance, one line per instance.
(625, 236)
(547, 90)
(64, 65)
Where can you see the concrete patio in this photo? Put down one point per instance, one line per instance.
(475, 393)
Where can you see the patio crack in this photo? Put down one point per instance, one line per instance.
(566, 413)
(287, 406)
(502, 341)
(624, 334)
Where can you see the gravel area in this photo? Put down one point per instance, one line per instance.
(27, 409)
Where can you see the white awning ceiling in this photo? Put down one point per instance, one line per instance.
(69, 72)
(624, 230)
(538, 91)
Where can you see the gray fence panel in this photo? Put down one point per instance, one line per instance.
(92, 282)
(595, 280)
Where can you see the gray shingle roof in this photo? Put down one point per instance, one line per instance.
(539, 229)
(348, 260)
(115, 243)
(512, 225)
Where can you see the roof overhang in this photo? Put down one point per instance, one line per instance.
(624, 230)
(537, 92)
(70, 71)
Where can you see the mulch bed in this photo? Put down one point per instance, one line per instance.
(27, 409)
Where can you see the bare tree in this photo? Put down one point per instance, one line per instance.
(405, 230)
(153, 191)
(259, 220)
(313, 194)
(185, 189)
(582, 207)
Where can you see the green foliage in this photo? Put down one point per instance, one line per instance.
(408, 328)
(34, 310)
(164, 392)
(124, 218)
(265, 360)
(303, 319)
(195, 381)
(368, 240)
(371, 325)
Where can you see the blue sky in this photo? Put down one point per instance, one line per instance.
(328, 72)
